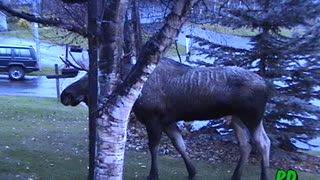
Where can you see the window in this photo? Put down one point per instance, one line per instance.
(5, 52)
(23, 52)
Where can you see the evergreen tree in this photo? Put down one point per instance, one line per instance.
(290, 63)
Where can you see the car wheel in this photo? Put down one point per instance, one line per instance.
(16, 73)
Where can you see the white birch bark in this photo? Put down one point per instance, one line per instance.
(113, 119)
(112, 122)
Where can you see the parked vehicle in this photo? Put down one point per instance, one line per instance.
(18, 60)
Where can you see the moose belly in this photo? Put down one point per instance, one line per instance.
(203, 112)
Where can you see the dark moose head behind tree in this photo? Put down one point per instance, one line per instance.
(290, 63)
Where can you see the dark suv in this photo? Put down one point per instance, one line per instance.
(18, 60)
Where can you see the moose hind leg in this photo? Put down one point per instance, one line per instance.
(262, 141)
(175, 136)
(243, 136)
(154, 135)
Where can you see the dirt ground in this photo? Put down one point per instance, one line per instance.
(206, 149)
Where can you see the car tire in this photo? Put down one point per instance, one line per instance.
(16, 73)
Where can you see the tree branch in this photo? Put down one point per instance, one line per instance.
(76, 19)
(74, 1)
(45, 21)
(155, 47)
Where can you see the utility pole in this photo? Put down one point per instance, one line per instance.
(35, 28)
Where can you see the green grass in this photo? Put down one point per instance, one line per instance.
(243, 31)
(48, 35)
(173, 51)
(45, 70)
(170, 168)
(225, 30)
(313, 153)
(42, 139)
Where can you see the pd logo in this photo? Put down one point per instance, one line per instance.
(286, 175)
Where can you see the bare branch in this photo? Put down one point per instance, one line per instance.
(44, 21)
(73, 17)
(80, 63)
(74, 1)
(306, 142)
(156, 46)
(68, 63)
(177, 50)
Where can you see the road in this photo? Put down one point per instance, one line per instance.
(36, 86)
(222, 39)
(49, 53)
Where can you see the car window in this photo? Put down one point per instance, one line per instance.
(5, 51)
(22, 52)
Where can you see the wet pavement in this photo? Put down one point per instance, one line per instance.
(222, 39)
(36, 86)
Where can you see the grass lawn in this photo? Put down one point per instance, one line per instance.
(224, 29)
(45, 70)
(48, 35)
(243, 31)
(313, 153)
(42, 139)
(173, 51)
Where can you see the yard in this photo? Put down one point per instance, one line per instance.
(42, 139)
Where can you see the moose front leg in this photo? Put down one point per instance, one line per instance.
(175, 136)
(154, 135)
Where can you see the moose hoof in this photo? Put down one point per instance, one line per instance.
(265, 178)
(153, 178)
(193, 177)
(236, 178)
(192, 174)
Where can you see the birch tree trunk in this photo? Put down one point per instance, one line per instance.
(118, 100)
(111, 126)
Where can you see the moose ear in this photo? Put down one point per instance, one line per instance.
(74, 1)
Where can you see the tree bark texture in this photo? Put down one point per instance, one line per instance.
(118, 100)
(93, 82)
(111, 129)
(111, 44)
(136, 27)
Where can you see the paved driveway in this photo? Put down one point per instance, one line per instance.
(38, 86)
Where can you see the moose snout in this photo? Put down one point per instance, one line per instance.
(71, 99)
(66, 98)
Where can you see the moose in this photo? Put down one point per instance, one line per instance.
(175, 92)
